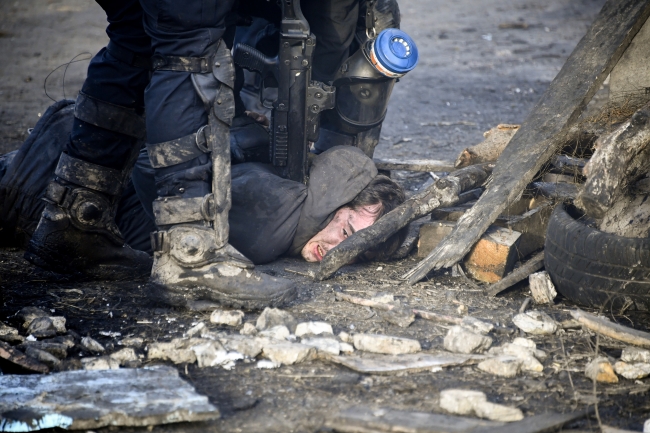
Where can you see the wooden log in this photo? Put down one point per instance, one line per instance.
(521, 273)
(544, 130)
(556, 191)
(444, 192)
(427, 165)
(568, 165)
(496, 139)
(542, 288)
(494, 255)
(612, 330)
(621, 158)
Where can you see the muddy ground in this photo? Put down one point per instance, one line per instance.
(483, 63)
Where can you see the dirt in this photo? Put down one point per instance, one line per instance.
(482, 64)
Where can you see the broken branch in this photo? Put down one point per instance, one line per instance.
(522, 272)
(444, 192)
(612, 330)
(427, 165)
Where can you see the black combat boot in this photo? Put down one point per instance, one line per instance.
(77, 232)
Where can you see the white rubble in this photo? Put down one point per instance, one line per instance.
(271, 317)
(635, 354)
(476, 325)
(385, 344)
(59, 324)
(100, 363)
(212, 354)
(9, 334)
(267, 364)
(41, 327)
(542, 288)
(177, 351)
(279, 332)
(383, 297)
(462, 340)
(286, 353)
(313, 328)
(92, 345)
(601, 370)
(345, 337)
(248, 329)
(524, 349)
(196, 329)
(249, 347)
(467, 402)
(535, 322)
(346, 348)
(646, 426)
(131, 342)
(124, 356)
(503, 365)
(636, 370)
(323, 344)
(43, 356)
(227, 317)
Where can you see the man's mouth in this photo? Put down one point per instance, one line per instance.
(319, 253)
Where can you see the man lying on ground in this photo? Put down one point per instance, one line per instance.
(270, 216)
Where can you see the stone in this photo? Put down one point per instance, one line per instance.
(526, 355)
(601, 370)
(129, 398)
(635, 354)
(124, 356)
(345, 337)
(286, 353)
(494, 255)
(18, 359)
(323, 344)
(249, 347)
(57, 350)
(41, 327)
(313, 328)
(267, 364)
(279, 332)
(646, 426)
(212, 354)
(346, 348)
(100, 363)
(196, 329)
(227, 317)
(9, 334)
(401, 364)
(638, 370)
(27, 314)
(385, 344)
(178, 351)
(92, 345)
(462, 340)
(59, 324)
(498, 412)
(431, 234)
(504, 366)
(476, 325)
(136, 342)
(542, 288)
(271, 317)
(535, 322)
(460, 401)
(384, 298)
(65, 340)
(248, 329)
(42, 356)
(399, 315)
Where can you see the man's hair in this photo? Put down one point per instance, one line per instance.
(382, 190)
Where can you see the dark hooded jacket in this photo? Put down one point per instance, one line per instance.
(270, 215)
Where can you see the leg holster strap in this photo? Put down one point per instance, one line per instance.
(105, 180)
(109, 116)
(179, 150)
(201, 65)
(127, 56)
(178, 210)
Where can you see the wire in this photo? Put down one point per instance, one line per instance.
(74, 60)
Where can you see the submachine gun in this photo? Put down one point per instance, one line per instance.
(295, 116)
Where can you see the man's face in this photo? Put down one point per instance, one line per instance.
(345, 222)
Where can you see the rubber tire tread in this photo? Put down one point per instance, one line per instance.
(594, 268)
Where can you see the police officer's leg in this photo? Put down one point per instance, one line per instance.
(190, 106)
(77, 232)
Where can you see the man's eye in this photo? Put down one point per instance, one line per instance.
(345, 233)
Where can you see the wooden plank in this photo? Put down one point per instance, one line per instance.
(612, 330)
(521, 273)
(444, 192)
(427, 165)
(545, 128)
(363, 420)
(544, 423)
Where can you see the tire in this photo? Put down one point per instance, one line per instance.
(594, 268)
